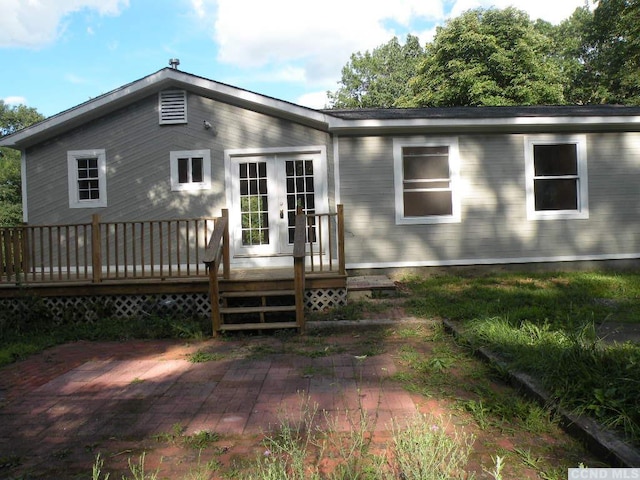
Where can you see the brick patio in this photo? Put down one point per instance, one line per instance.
(83, 393)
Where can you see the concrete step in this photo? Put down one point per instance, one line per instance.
(370, 285)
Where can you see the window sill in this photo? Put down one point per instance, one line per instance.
(427, 220)
(536, 216)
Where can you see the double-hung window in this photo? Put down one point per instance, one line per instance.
(190, 170)
(87, 178)
(556, 173)
(426, 174)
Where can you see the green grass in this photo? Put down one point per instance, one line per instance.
(552, 297)
(34, 328)
(202, 356)
(545, 325)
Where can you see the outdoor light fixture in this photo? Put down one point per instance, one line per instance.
(207, 125)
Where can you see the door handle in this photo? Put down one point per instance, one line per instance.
(281, 213)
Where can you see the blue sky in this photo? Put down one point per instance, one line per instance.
(59, 53)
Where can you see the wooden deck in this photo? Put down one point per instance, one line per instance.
(174, 257)
(240, 280)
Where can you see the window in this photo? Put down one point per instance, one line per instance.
(172, 106)
(87, 178)
(556, 171)
(190, 170)
(426, 180)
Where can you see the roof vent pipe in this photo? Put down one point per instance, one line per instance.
(173, 63)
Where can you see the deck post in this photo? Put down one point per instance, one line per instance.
(214, 296)
(26, 254)
(298, 269)
(299, 289)
(96, 248)
(226, 259)
(341, 259)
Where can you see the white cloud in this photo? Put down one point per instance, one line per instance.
(313, 40)
(288, 73)
(318, 35)
(35, 23)
(199, 8)
(313, 100)
(15, 100)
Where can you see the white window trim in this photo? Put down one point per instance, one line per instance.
(72, 168)
(454, 174)
(176, 186)
(583, 181)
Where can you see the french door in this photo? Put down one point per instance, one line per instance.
(267, 191)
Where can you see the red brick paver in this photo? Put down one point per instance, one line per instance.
(76, 395)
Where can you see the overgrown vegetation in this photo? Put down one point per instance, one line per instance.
(33, 326)
(312, 447)
(546, 325)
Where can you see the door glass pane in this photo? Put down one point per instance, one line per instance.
(254, 204)
(300, 193)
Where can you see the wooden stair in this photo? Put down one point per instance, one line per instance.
(258, 309)
(245, 301)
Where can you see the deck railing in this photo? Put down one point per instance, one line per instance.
(216, 254)
(324, 240)
(99, 251)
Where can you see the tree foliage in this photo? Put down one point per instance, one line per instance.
(571, 49)
(489, 57)
(502, 57)
(379, 78)
(12, 119)
(613, 59)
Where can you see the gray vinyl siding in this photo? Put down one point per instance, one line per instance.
(137, 157)
(494, 226)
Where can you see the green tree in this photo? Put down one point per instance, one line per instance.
(379, 78)
(572, 48)
(613, 60)
(489, 57)
(12, 119)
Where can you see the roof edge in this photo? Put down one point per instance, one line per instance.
(114, 99)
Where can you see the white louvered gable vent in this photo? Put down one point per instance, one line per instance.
(173, 106)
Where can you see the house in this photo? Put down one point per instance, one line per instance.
(420, 187)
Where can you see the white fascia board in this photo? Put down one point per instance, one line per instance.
(62, 121)
(251, 99)
(345, 126)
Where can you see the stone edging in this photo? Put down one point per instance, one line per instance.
(600, 440)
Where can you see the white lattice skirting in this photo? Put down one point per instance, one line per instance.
(323, 299)
(122, 306)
